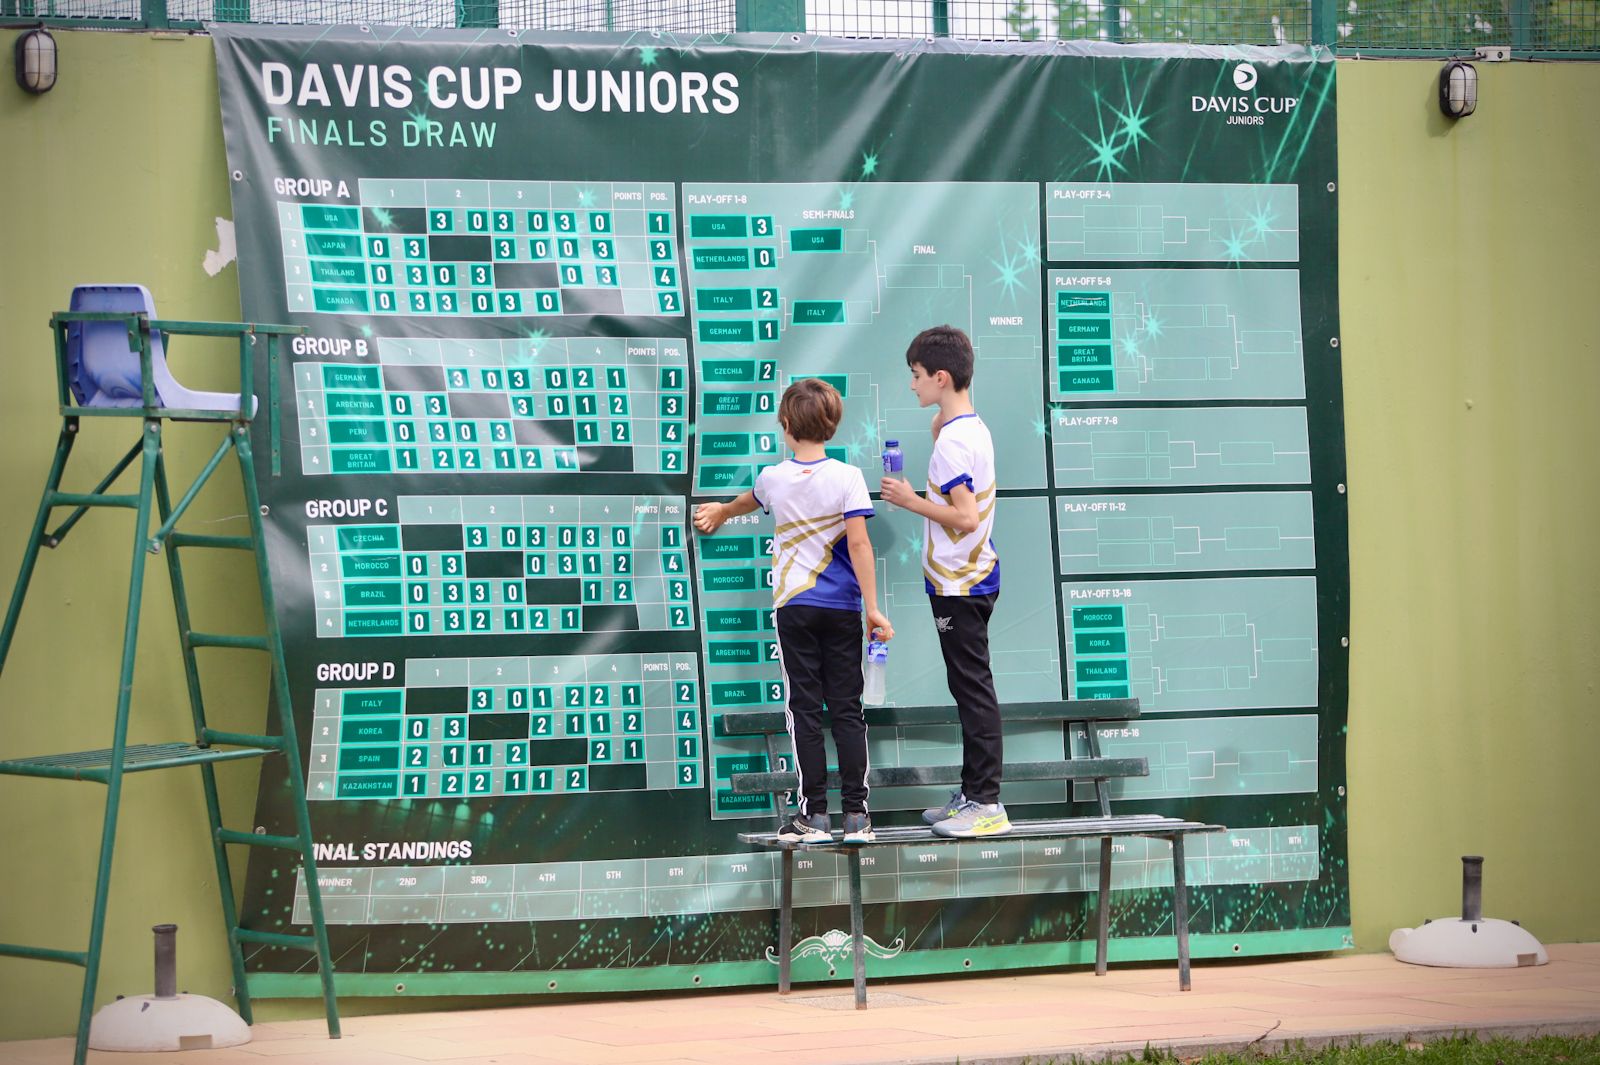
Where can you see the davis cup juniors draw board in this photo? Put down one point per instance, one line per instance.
(543, 327)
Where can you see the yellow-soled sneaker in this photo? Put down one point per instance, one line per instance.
(975, 819)
(934, 815)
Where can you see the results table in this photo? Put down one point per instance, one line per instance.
(548, 405)
(485, 248)
(512, 726)
(505, 564)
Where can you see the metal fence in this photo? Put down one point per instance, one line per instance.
(1151, 20)
(698, 16)
(1528, 26)
(1531, 28)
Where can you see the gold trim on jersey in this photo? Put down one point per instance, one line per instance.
(972, 582)
(795, 541)
(968, 575)
(802, 535)
(979, 578)
(933, 567)
(983, 516)
(811, 578)
(967, 578)
(825, 519)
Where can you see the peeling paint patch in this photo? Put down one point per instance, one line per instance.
(225, 252)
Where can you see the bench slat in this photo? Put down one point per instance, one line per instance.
(766, 722)
(1058, 828)
(907, 776)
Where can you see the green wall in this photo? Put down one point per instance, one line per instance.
(116, 175)
(1470, 271)
(1470, 352)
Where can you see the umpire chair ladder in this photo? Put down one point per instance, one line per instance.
(111, 362)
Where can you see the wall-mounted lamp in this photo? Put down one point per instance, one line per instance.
(36, 61)
(1458, 89)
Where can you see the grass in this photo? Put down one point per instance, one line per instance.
(1464, 1050)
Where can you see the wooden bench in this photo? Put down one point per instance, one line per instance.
(1090, 767)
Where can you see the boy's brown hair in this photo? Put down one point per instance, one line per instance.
(944, 347)
(811, 409)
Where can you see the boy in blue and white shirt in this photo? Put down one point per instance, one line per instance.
(961, 570)
(818, 505)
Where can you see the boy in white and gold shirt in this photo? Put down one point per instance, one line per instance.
(961, 570)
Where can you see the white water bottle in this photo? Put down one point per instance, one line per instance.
(874, 670)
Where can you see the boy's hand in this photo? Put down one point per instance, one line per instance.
(897, 491)
(708, 517)
(878, 622)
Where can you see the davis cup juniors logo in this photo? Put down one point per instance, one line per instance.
(1244, 108)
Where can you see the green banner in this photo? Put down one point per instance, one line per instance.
(554, 286)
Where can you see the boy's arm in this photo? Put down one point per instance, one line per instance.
(949, 468)
(865, 564)
(961, 515)
(708, 517)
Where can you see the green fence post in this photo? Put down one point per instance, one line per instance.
(1324, 16)
(1521, 27)
(472, 14)
(153, 13)
(1111, 20)
(941, 18)
(770, 16)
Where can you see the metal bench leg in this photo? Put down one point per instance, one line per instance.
(1102, 929)
(859, 954)
(785, 920)
(1180, 912)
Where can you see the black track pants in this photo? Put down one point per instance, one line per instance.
(819, 650)
(962, 622)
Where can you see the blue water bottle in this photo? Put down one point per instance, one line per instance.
(893, 460)
(874, 672)
(876, 667)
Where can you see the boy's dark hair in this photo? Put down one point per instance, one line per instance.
(944, 347)
(811, 409)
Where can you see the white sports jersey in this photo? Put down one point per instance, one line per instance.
(953, 564)
(809, 502)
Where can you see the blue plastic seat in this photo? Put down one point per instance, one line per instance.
(103, 367)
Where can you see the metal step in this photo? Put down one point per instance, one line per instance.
(277, 939)
(219, 639)
(260, 839)
(94, 499)
(235, 543)
(136, 758)
(69, 957)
